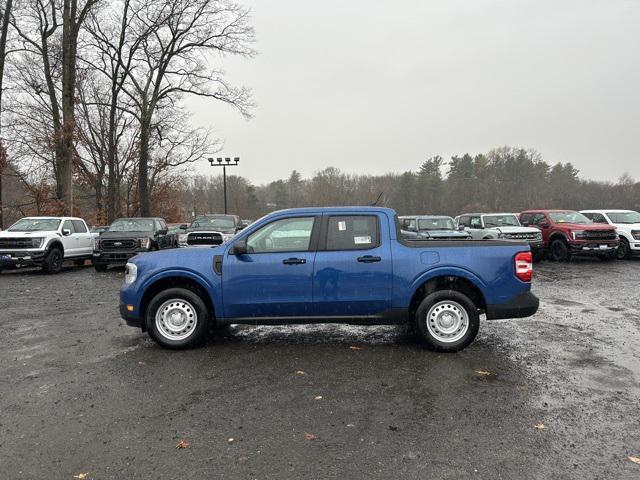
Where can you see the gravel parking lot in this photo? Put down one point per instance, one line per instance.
(553, 396)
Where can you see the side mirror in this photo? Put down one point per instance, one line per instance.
(184, 226)
(543, 225)
(164, 231)
(241, 226)
(66, 232)
(461, 228)
(239, 248)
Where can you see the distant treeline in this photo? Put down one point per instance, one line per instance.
(504, 179)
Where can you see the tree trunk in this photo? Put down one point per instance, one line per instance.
(143, 168)
(6, 15)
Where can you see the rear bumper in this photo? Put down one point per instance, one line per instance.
(522, 305)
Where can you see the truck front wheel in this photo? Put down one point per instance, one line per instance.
(52, 262)
(177, 318)
(447, 321)
(559, 251)
(624, 250)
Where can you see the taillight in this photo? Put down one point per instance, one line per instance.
(524, 266)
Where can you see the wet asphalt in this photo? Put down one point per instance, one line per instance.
(553, 396)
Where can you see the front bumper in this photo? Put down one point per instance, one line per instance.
(115, 257)
(19, 258)
(522, 305)
(593, 247)
(131, 318)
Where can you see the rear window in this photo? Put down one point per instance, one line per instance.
(355, 232)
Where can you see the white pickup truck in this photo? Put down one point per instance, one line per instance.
(45, 242)
(627, 223)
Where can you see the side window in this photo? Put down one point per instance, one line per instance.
(464, 221)
(162, 225)
(409, 224)
(285, 235)
(539, 219)
(597, 218)
(526, 219)
(78, 226)
(475, 222)
(68, 225)
(356, 232)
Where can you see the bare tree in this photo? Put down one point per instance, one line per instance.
(6, 15)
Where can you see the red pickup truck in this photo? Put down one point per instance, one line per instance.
(566, 233)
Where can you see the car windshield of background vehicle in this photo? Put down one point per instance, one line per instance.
(569, 217)
(426, 224)
(133, 225)
(213, 222)
(501, 221)
(35, 225)
(624, 217)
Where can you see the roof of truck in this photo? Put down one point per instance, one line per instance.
(351, 209)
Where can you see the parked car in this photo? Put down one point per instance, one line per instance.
(627, 224)
(507, 226)
(177, 228)
(433, 227)
(45, 242)
(128, 237)
(210, 230)
(323, 265)
(567, 233)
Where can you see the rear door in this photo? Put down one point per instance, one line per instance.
(353, 267)
(84, 240)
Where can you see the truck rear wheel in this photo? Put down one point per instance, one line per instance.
(447, 321)
(52, 262)
(559, 251)
(177, 318)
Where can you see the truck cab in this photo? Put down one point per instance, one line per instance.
(319, 265)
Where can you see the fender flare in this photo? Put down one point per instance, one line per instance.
(449, 271)
(53, 242)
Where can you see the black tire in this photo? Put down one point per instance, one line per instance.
(79, 262)
(196, 309)
(624, 250)
(438, 299)
(559, 251)
(100, 267)
(53, 260)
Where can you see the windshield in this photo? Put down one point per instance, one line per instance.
(214, 222)
(425, 224)
(569, 217)
(35, 225)
(501, 221)
(624, 217)
(132, 225)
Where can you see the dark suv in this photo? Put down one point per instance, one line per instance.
(566, 233)
(127, 237)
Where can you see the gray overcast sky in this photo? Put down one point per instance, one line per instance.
(372, 86)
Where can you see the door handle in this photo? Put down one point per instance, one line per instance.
(369, 259)
(294, 261)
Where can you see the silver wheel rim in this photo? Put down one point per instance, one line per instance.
(447, 321)
(176, 319)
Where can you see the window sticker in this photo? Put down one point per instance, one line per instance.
(342, 226)
(361, 240)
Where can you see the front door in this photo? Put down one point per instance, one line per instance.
(274, 278)
(353, 272)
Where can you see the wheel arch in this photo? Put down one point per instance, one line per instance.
(175, 280)
(558, 236)
(459, 283)
(54, 243)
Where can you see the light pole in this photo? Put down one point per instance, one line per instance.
(228, 162)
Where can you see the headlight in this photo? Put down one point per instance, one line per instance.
(636, 234)
(144, 243)
(96, 244)
(227, 236)
(577, 234)
(36, 242)
(130, 273)
(539, 236)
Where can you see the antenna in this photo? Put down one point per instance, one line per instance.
(374, 204)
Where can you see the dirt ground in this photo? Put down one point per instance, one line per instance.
(553, 396)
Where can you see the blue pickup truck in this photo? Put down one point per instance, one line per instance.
(329, 265)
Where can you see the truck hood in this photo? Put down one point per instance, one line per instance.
(170, 258)
(625, 227)
(594, 227)
(444, 234)
(211, 230)
(43, 233)
(515, 229)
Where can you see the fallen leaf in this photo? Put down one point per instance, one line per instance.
(634, 459)
(82, 476)
(350, 425)
(231, 440)
(539, 426)
(310, 436)
(393, 428)
(355, 347)
(485, 373)
(300, 372)
(318, 397)
(183, 444)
